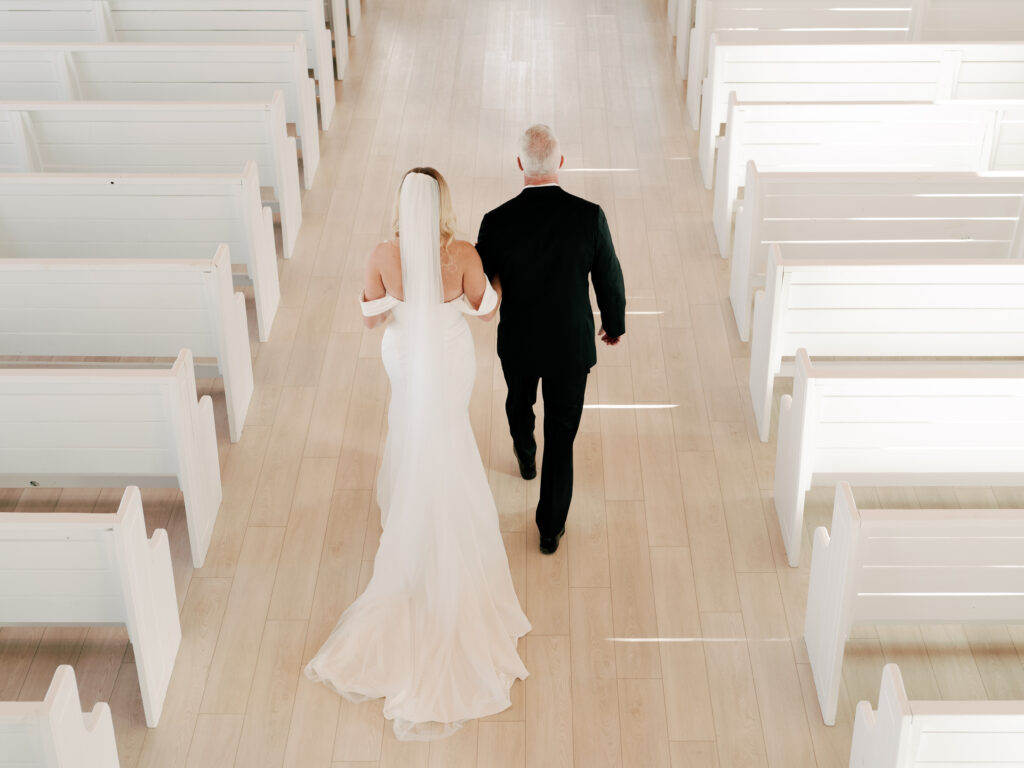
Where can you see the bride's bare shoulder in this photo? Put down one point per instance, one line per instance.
(385, 251)
(463, 250)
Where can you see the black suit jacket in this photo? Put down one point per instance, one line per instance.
(544, 244)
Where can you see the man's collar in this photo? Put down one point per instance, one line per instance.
(537, 186)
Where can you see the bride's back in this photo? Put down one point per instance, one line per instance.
(454, 259)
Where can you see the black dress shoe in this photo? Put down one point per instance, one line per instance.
(548, 546)
(528, 469)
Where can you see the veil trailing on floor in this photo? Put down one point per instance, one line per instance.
(435, 631)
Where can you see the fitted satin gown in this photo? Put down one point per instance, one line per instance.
(435, 632)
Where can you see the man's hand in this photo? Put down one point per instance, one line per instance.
(611, 341)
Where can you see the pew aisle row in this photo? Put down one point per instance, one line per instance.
(867, 162)
(146, 168)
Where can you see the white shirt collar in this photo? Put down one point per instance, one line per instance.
(536, 186)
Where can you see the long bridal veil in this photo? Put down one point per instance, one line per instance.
(435, 631)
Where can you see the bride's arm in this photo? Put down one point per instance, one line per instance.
(474, 281)
(373, 285)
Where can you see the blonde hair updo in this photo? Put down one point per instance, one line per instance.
(446, 212)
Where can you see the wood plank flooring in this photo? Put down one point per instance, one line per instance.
(668, 627)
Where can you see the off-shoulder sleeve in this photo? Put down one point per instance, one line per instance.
(487, 304)
(377, 306)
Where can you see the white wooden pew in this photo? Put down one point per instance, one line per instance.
(898, 424)
(882, 309)
(787, 21)
(825, 22)
(905, 734)
(130, 308)
(113, 427)
(862, 72)
(878, 216)
(55, 732)
(77, 569)
(178, 21)
(343, 16)
(903, 566)
(169, 72)
(877, 137)
(92, 216)
(157, 137)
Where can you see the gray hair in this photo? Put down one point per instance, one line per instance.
(539, 151)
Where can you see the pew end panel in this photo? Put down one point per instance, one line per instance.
(709, 130)
(878, 735)
(233, 335)
(56, 731)
(286, 171)
(327, 98)
(906, 734)
(682, 27)
(765, 352)
(745, 264)
(310, 131)
(827, 620)
(695, 62)
(262, 266)
(792, 460)
(150, 599)
(339, 43)
(198, 461)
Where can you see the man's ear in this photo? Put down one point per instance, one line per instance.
(519, 162)
(561, 162)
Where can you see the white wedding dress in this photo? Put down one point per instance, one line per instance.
(435, 632)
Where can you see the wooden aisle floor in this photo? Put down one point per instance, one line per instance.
(668, 627)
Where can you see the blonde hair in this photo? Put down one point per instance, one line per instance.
(447, 210)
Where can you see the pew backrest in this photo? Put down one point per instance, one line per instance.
(74, 569)
(876, 137)
(93, 216)
(157, 137)
(177, 21)
(904, 734)
(55, 732)
(881, 309)
(864, 72)
(130, 308)
(903, 217)
(786, 22)
(163, 72)
(899, 424)
(113, 427)
(168, 72)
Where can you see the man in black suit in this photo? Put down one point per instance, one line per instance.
(540, 248)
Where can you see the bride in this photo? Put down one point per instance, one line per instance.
(435, 632)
